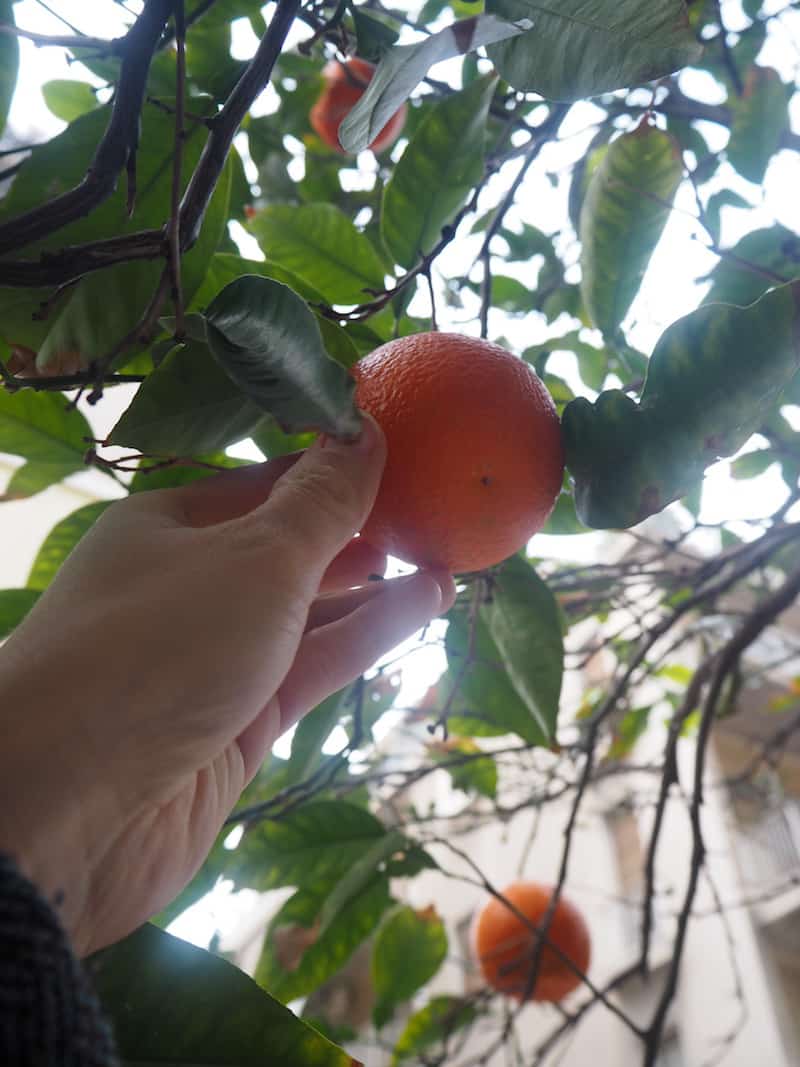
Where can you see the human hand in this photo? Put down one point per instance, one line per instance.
(188, 630)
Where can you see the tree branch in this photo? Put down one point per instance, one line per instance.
(115, 147)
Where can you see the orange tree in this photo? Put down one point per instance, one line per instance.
(121, 268)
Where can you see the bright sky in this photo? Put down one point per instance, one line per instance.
(670, 289)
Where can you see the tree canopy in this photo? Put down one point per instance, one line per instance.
(127, 262)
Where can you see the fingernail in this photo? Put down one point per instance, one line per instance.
(447, 589)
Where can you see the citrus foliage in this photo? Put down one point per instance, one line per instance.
(445, 227)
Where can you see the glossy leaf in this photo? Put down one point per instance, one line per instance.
(69, 99)
(186, 407)
(624, 213)
(575, 50)
(404, 66)
(269, 343)
(170, 1002)
(408, 951)
(14, 606)
(486, 703)
(760, 117)
(434, 1024)
(60, 542)
(713, 377)
(321, 245)
(225, 268)
(295, 970)
(9, 61)
(441, 164)
(46, 431)
(316, 842)
(525, 623)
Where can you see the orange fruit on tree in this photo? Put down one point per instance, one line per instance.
(475, 460)
(344, 86)
(504, 945)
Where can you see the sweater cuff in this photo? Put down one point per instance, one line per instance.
(49, 1013)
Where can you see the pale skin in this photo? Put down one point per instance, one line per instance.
(189, 629)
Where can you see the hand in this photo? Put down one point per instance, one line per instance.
(188, 630)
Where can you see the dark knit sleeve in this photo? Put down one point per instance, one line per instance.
(49, 1015)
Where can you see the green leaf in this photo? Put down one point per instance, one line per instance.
(47, 432)
(563, 520)
(14, 606)
(326, 954)
(214, 1013)
(436, 173)
(752, 464)
(268, 341)
(408, 951)
(526, 625)
(312, 732)
(486, 703)
(186, 407)
(373, 37)
(753, 265)
(154, 476)
(60, 542)
(32, 478)
(624, 213)
(435, 1023)
(320, 244)
(9, 61)
(478, 774)
(316, 842)
(630, 728)
(577, 50)
(272, 441)
(122, 290)
(716, 202)
(361, 875)
(404, 66)
(713, 377)
(225, 268)
(759, 118)
(69, 99)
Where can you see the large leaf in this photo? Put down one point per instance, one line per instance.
(170, 1003)
(47, 432)
(408, 951)
(60, 542)
(755, 264)
(578, 49)
(404, 66)
(760, 117)
(315, 842)
(9, 61)
(440, 1018)
(14, 606)
(225, 268)
(269, 343)
(320, 244)
(713, 377)
(441, 164)
(624, 213)
(486, 703)
(326, 953)
(187, 406)
(525, 623)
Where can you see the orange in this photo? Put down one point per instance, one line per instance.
(475, 460)
(504, 945)
(344, 86)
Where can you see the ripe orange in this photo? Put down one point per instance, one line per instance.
(475, 457)
(504, 946)
(344, 86)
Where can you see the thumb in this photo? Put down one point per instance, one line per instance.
(317, 506)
